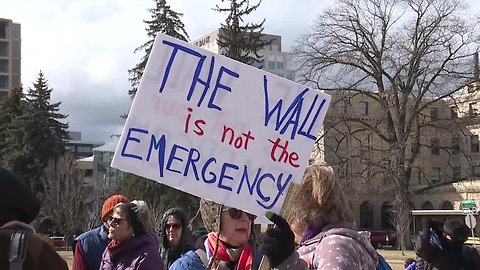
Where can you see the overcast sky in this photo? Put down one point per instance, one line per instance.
(85, 47)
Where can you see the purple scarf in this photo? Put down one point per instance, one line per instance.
(312, 230)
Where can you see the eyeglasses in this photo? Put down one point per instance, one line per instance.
(115, 221)
(234, 213)
(174, 226)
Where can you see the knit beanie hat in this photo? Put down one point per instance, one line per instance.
(211, 215)
(455, 229)
(17, 202)
(110, 203)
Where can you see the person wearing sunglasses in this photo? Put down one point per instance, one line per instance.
(134, 246)
(229, 245)
(176, 238)
(89, 246)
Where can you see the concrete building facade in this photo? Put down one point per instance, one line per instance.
(10, 56)
(449, 152)
(274, 59)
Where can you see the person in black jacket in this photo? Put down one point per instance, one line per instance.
(441, 246)
(18, 208)
(176, 238)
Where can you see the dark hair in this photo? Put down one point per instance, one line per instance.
(136, 216)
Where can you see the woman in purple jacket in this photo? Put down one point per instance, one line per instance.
(321, 222)
(133, 245)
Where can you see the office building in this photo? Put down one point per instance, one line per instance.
(274, 60)
(10, 56)
(113, 176)
(80, 148)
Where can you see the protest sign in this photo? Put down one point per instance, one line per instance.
(219, 129)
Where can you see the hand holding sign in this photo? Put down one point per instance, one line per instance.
(279, 242)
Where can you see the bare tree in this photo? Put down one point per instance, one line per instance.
(405, 56)
(64, 194)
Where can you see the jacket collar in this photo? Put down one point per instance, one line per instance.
(17, 225)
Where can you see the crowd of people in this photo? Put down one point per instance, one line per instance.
(319, 233)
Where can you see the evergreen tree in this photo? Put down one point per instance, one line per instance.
(11, 142)
(158, 196)
(241, 42)
(163, 20)
(43, 135)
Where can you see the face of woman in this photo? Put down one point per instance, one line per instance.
(173, 230)
(119, 229)
(235, 230)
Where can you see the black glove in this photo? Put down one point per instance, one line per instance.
(435, 225)
(279, 242)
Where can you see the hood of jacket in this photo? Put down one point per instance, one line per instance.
(337, 232)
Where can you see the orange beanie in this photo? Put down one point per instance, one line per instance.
(110, 203)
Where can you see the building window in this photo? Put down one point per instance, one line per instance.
(434, 113)
(84, 149)
(257, 64)
(427, 206)
(474, 144)
(453, 113)
(472, 109)
(3, 30)
(88, 173)
(366, 215)
(363, 108)
(3, 65)
(416, 175)
(279, 65)
(476, 171)
(446, 205)
(3, 48)
(456, 173)
(435, 144)
(3, 82)
(455, 145)
(387, 216)
(435, 177)
(271, 65)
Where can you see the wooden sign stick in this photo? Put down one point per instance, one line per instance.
(285, 212)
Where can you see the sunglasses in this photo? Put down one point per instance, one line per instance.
(174, 226)
(115, 221)
(237, 214)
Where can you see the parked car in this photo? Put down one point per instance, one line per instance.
(58, 241)
(378, 239)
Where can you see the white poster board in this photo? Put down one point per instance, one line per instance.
(219, 129)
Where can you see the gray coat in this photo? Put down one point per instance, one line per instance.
(333, 248)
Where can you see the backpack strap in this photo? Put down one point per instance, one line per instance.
(203, 256)
(18, 249)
